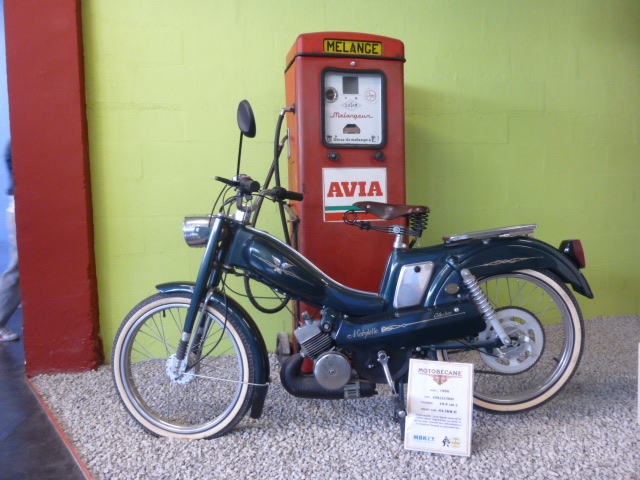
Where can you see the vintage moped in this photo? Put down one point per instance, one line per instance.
(190, 362)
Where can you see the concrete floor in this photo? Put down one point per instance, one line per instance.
(31, 446)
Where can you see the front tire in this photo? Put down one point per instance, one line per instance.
(539, 310)
(206, 401)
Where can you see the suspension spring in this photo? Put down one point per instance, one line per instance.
(483, 304)
(182, 349)
(418, 223)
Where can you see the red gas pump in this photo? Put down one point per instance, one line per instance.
(346, 139)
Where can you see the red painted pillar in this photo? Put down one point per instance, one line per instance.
(53, 188)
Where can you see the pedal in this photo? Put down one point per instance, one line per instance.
(383, 359)
(400, 409)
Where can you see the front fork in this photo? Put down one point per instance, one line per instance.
(207, 282)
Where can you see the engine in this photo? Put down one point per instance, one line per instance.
(313, 341)
(332, 369)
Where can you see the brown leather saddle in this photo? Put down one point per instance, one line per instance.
(388, 211)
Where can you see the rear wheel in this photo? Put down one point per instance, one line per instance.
(204, 401)
(540, 313)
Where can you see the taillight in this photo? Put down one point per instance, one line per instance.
(573, 249)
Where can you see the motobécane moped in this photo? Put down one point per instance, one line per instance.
(190, 362)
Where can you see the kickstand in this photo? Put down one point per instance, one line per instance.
(399, 409)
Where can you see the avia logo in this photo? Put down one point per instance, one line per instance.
(355, 189)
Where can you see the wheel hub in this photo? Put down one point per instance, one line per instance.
(176, 370)
(527, 341)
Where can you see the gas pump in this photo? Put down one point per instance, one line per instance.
(346, 144)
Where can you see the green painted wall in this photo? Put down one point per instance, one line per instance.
(516, 112)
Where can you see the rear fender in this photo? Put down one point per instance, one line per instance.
(251, 330)
(502, 255)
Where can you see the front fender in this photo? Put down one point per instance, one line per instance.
(250, 329)
(503, 255)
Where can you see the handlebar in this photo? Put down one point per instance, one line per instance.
(244, 183)
(284, 194)
(246, 186)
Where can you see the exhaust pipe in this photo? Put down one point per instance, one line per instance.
(304, 385)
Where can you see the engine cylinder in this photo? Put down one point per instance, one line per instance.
(313, 340)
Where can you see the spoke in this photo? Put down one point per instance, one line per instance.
(218, 354)
(525, 300)
(162, 333)
(162, 359)
(518, 294)
(542, 297)
(176, 322)
(158, 339)
(137, 345)
(553, 320)
(551, 305)
(496, 294)
(211, 334)
(161, 337)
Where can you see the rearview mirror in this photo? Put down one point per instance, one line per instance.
(246, 120)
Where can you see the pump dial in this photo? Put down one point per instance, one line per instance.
(331, 94)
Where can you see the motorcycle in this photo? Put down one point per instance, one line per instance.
(190, 362)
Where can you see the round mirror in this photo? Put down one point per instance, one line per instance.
(246, 120)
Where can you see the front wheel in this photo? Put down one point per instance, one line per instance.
(206, 400)
(544, 321)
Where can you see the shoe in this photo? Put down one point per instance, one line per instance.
(7, 335)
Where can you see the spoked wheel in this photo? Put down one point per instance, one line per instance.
(544, 321)
(206, 400)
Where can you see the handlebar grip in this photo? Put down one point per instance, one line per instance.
(284, 194)
(244, 183)
(247, 185)
(294, 196)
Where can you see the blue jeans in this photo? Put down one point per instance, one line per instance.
(10, 294)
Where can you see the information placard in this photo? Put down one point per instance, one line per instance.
(439, 407)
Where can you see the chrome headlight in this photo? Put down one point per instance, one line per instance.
(196, 230)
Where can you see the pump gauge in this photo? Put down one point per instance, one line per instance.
(330, 95)
(354, 108)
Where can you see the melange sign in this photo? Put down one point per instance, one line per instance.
(352, 47)
(342, 187)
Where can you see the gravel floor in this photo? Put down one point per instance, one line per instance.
(589, 431)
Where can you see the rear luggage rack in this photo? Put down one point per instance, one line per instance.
(515, 231)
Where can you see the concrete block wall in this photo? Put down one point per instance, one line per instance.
(531, 115)
(516, 112)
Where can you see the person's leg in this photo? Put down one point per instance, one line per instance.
(10, 294)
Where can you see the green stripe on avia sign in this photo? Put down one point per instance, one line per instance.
(343, 208)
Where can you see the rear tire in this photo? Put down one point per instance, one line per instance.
(540, 310)
(204, 402)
